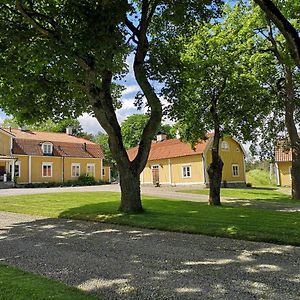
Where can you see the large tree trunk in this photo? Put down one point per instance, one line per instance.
(130, 192)
(292, 131)
(215, 179)
(216, 167)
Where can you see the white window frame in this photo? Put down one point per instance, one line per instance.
(75, 165)
(17, 163)
(238, 170)
(185, 170)
(47, 146)
(225, 146)
(94, 168)
(51, 168)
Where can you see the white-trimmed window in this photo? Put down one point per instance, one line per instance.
(186, 171)
(90, 169)
(17, 168)
(75, 170)
(47, 169)
(235, 170)
(225, 146)
(47, 148)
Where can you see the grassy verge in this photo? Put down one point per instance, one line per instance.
(19, 285)
(267, 194)
(181, 216)
(260, 178)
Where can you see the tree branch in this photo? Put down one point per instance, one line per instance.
(285, 27)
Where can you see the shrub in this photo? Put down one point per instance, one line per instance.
(86, 180)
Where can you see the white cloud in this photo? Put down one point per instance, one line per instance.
(130, 90)
(90, 124)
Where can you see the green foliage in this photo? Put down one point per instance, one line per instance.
(86, 179)
(258, 177)
(216, 62)
(133, 127)
(182, 216)
(19, 285)
(49, 125)
(102, 140)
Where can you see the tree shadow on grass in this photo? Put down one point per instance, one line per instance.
(120, 262)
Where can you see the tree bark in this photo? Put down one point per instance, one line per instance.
(130, 192)
(292, 131)
(216, 167)
(286, 28)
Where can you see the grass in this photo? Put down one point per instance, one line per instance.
(267, 194)
(181, 216)
(19, 285)
(260, 178)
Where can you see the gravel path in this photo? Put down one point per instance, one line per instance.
(120, 262)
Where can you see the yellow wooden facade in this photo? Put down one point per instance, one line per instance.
(171, 171)
(284, 173)
(31, 167)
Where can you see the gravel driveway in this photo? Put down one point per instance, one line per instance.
(121, 262)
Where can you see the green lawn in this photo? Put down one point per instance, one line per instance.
(18, 285)
(268, 194)
(182, 216)
(260, 178)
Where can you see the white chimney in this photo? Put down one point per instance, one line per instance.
(161, 137)
(177, 134)
(69, 130)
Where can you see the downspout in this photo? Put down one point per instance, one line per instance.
(277, 174)
(63, 169)
(29, 170)
(170, 172)
(204, 168)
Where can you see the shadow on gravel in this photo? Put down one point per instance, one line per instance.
(126, 263)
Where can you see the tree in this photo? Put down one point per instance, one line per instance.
(51, 126)
(214, 84)
(132, 129)
(64, 58)
(284, 49)
(284, 25)
(102, 139)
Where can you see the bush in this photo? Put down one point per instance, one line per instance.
(86, 180)
(83, 180)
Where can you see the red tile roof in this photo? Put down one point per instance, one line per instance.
(170, 149)
(282, 155)
(30, 143)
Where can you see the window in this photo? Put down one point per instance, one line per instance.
(103, 171)
(90, 169)
(47, 148)
(186, 171)
(17, 168)
(235, 170)
(75, 170)
(224, 146)
(47, 169)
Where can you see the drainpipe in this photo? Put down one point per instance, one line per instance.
(63, 169)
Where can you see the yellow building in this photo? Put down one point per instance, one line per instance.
(172, 162)
(35, 157)
(283, 166)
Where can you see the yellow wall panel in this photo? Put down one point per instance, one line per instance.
(233, 156)
(284, 173)
(5, 144)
